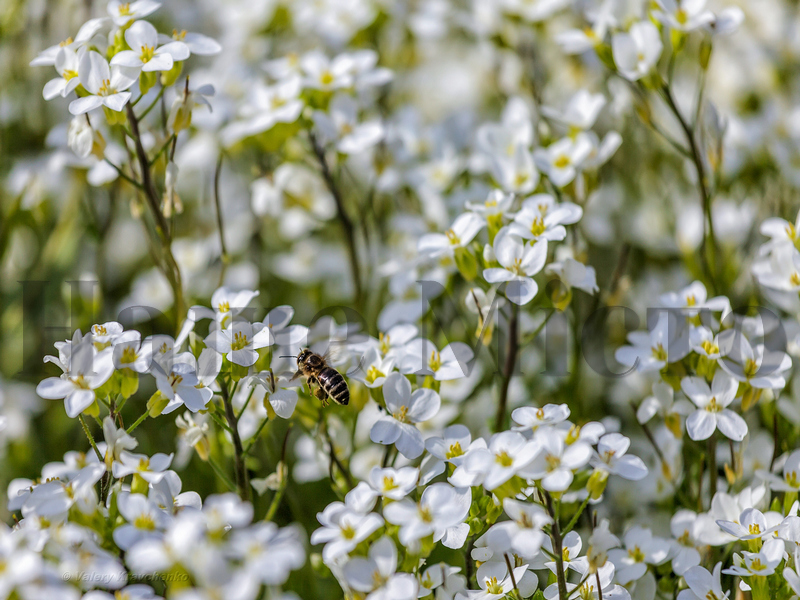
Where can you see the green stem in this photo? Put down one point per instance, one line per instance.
(162, 150)
(242, 483)
(254, 439)
(138, 421)
(512, 347)
(152, 104)
(90, 437)
(221, 474)
(126, 177)
(558, 550)
(578, 514)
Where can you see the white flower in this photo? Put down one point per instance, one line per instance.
(376, 575)
(180, 385)
(684, 553)
(684, 15)
(340, 124)
(574, 274)
(423, 358)
(651, 351)
(694, 297)
(238, 343)
(342, 530)
(495, 581)
(515, 171)
(66, 63)
(541, 218)
(325, 74)
(405, 410)
(641, 549)
(198, 44)
(637, 51)
(561, 160)
(751, 524)
(282, 399)
(441, 511)
(556, 460)
(270, 553)
(581, 110)
(151, 469)
(372, 368)
(144, 520)
(267, 107)
(145, 53)
(523, 533)
(759, 564)
(611, 457)
(460, 235)
(753, 364)
(712, 412)
(394, 484)
(131, 353)
(86, 371)
(106, 86)
(790, 482)
(508, 454)
(451, 445)
(532, 418)
(123, 12)
(116, 440)
(518, 263)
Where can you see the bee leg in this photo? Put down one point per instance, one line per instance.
(322, 395)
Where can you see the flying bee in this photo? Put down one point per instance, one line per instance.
(329, 382)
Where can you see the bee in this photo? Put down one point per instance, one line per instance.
(329, 382)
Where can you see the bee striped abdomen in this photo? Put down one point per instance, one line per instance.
(334, 385)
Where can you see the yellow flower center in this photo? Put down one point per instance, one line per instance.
(224, 307)
(795, 278)
(239, 341)
(80, 381)
(493, 587)
(129, 355)
(452, 237)
(750, 368)
(68, 74)
(144, 464)
(326, 78)
(681, 16)
(106, 90)
(503, 459)
(710, 347)
(178, 35)
(561, 161)
(125, 9)
(538, 227)
(147, 53)
(435, 361)
(144, 522)
(348, 531)
(553, 462)
(757, 565)
(374, 373)
(754, 529)
(659, 353)
(383, 342)
(792, 479)
(389, 484)
(425, 514)
(454, 450)
(402, 414)
(636, 554)
(691, 300)
(713, 406)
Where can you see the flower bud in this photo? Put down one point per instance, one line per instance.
(597, 483)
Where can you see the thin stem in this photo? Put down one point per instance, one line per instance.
(171, 271)
(125, 176)
(512, 347)
(558, 550)
(138, 421)
(221, 474)
(220, 422)
(152, 104)
(344, 219)
(276, 499)
(712, 467)
(254, 439)
(599, 587)
(224, 258)
(90, 437)
(709, 239)
(578, 514)
(511, 572)
(242, 483)
(162, 149)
